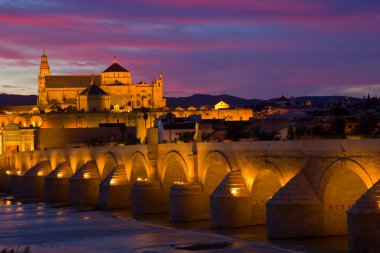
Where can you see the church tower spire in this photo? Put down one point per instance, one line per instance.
(44, 65)
(44, 71)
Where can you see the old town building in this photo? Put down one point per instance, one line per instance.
(116, 81)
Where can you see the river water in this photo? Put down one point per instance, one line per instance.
(59, 228)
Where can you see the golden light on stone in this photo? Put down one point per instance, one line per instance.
(86, 175)
(19, 173)
(112, 182)
(234, 191)
(59, 175)
(40, 173)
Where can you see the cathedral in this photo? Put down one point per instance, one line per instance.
(112, 89)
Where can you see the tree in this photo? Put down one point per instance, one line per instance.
(368, 124)
(291, 133)
(170, 116)
(145, 117)
(337, 127)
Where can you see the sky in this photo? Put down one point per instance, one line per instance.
(246, 48)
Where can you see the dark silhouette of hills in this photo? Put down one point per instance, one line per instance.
(13, 99)
(210, 100)
(193, 100)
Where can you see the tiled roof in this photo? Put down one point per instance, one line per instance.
(93, 90)
(17, 108)
(80, 81)
(115, 67)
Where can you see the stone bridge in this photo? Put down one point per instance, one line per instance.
(298, 188)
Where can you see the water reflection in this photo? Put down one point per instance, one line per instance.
(58, 227)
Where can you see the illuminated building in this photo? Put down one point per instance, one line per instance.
(116, 81)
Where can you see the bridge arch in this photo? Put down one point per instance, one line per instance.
(109, 164)
(36, 121)
(138, 167)
(19, 120)
(77, 160)
(174, 169)
(215, 167)
(266, 182)
(342, 183)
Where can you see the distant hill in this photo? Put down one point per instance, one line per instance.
(204, 99)
(193, 100)
(210, 100)
(12, 99)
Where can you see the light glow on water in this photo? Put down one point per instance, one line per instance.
(61, 229)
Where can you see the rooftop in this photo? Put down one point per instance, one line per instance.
(74, 81)
(93, 90)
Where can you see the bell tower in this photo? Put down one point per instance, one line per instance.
(44, 71)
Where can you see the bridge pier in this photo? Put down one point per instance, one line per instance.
(188, 202)
(364, 222)
(7, 183)
(295, 211)
(33, 180)
(231, 203)
(84, 185)
(148, 197)
(16, 184)
(2, 175)
(115, 190)
(56, 185)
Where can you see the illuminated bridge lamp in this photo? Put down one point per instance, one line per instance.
(234, 192)
(86, 175)
(19, 173)
(112, 182)
(40, 173)
(59, 175)
(179, 182)
(8, 172)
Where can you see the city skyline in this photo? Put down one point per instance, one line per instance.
(249, 49)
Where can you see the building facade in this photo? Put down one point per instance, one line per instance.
(116, 81)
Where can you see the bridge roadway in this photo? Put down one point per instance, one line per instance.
(300, 188)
